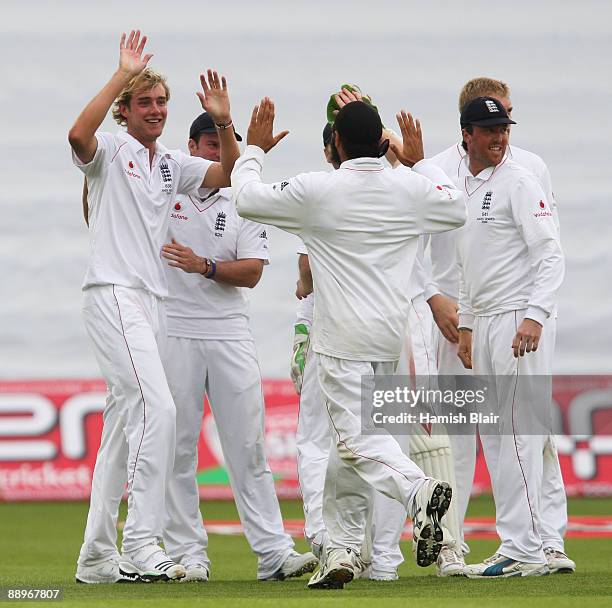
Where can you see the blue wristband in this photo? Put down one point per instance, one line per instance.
(213, 269)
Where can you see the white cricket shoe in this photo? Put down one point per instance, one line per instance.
(152, 564)
(499, 566)
(340, 567)
(450, 563)
(195, 573)
(558, 562)
(104, 572)
(295, 565)
(430, 504)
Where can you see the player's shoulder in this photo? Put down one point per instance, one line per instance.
(449, 159)
(113, 141)
(515, 170)
(529, 160)
(520, 178)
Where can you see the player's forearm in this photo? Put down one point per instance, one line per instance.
(89, 120)
(278, 205)
(229, 152)
(239, 273)
(305, 273)
(444, 205)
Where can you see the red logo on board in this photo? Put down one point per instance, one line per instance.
(439, 188)
(177, 206)
(542, 205)
(131, 165)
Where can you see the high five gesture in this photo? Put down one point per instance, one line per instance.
(131, 61)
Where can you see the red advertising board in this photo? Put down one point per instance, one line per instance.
(50, 433)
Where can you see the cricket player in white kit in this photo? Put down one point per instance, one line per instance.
(314, 434)
(132, 181)
(211, 351)
(511, 266)
(444, 306)
(360, 225)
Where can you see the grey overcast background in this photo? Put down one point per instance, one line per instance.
(416, 55)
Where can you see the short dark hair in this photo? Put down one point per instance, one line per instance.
(470, 130)
(360, 130)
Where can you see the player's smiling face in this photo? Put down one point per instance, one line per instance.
(146, 114)
(486, 146)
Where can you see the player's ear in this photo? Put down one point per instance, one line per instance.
(191, 144)
(466, 136)
(123, 110)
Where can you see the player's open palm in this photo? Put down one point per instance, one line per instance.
(261, 127)
(411, 151)
(214, 97)
(131, 59)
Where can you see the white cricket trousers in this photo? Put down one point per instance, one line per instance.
(515, 458)
(359, 464)
(463, 445)
(127, 328)
(228, 372)
(313, 442)
(389, 517)
(553, 497)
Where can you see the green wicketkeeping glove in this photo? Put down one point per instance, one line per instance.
(332, 105)
(301, 341)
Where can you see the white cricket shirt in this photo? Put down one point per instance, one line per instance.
(509, 253)
(128, 209)
(361, 225)
(203, 308)
(445, 272)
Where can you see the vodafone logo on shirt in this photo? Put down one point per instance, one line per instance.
(544, 212)
(130, 172)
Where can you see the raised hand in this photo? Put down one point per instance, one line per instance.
(412, 150)
(215, 98)
(346, 96)
(262, 123)
(131, 61)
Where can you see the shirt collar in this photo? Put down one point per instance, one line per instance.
(137, 147)
(484, 175)
(365, 163)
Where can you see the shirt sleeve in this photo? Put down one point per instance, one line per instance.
(430, 285)
(443, 206)
(466, 314)
(193, 172)
(252, 241)
(106, 142)
(534, 218)
(301, 250)
(546, 183)
(305, 311)
(280, 204)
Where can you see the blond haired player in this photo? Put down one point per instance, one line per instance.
(360, 269)
(444, 306)
(132, 181)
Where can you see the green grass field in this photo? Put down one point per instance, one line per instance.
(40, 544)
